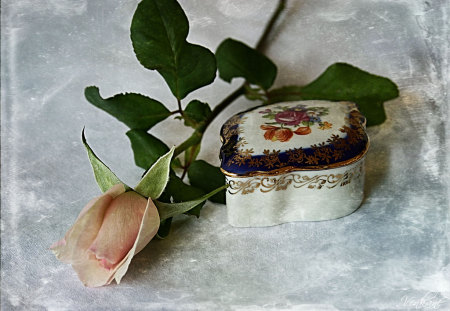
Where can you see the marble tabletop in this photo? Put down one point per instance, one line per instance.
(391, 254)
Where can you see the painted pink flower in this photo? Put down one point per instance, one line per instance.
(109, 231)
(291, 117)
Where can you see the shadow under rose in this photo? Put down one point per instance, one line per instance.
(152, 257)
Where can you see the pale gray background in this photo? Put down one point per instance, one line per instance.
(391, 254)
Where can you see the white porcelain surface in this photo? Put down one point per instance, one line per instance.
(294, 161)
(296, 196)
(389, 255)
(336, 114)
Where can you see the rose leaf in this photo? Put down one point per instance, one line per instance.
(177, 191)
(147, 148)
(158, 32)
(135, 110)
(344, 82)
(236, 59)
(196, 113)
(207, 177)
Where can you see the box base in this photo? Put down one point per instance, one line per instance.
(261, 201)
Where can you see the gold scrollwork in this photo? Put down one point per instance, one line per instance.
(321, 151)
(280, 183)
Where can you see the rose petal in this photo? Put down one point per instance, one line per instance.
(91, 273)
(65, 248)
(148, 229)
(73, 248)
(119, 229)
(114, 191)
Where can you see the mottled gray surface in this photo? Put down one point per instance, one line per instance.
(391, 254)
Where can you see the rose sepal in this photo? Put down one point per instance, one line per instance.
(155, 179)
(168, 210)
(103, 175)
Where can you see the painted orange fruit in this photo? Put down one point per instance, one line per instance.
(303, 130)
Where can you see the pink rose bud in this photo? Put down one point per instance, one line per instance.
(109, 231)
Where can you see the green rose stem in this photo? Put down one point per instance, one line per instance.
(261, 45)
(197, 136)
(180, 110)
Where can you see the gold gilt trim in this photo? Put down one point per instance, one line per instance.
(288, 169)
(322, 151)
(268, 184)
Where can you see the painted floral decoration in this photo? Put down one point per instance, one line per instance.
(283, 121)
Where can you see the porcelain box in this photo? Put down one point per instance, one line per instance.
(293, 161)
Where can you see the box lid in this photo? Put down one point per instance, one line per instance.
(291, 136)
